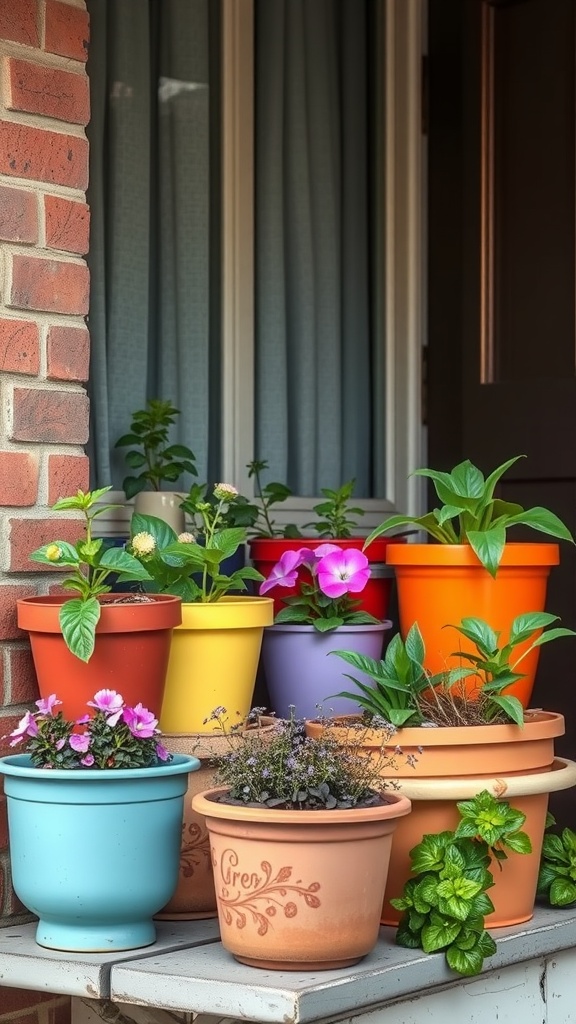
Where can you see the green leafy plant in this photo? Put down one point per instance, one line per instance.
(336, 518)
(93, 566)
(239, 512)
(557, 876)
(471, 514)
(445, 903)
(189, 565)
(405, 693)
(291, 771)
(151, 451)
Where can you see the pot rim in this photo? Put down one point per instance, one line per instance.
(516, 553)
(206, 803)
(374, 552)
(40, 613)
(244, 611)
(561, 775)
(542, 725)
(347, 627)
(20, 766)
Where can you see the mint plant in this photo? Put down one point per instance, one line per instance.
(446, 902)
(470, 514)
(335, 513)
(151, 451)
(269, 494)
(557, 876)
(336, 518)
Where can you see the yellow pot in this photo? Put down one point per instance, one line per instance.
(213, 662)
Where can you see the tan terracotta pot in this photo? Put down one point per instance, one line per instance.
(195, 898)
(453, 764)
(299, 890)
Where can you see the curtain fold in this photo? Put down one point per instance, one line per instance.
(151, 196)
(314, 418)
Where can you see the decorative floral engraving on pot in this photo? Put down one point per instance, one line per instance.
(195, 848)
(241, 892)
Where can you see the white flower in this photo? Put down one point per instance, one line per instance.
(225, 492)
(143, 544)
(186, 538)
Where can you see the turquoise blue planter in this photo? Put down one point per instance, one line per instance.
(95, 854)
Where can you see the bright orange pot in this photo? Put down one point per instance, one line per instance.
(452, 764)
(374, 599)
(299, 890)
(130, 655)
(440, 584)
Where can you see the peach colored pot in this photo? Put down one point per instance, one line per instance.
(457, 764)
(195, 898)
(299, 890)
(441, 583)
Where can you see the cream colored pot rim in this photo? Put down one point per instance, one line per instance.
(561, 775)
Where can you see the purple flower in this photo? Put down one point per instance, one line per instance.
(162, 753)
(83, 720)
(80, 742)
(26, 727)
(325, 549)
(285, 572)
(342, 572)
(140, 721)
(87, 761)
(46, 704)
(110, 703)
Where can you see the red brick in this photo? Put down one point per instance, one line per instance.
(18, 215)
(37, 89)
(66, 475)
(12, 999)
(9, 594)
(41, 155)
(52, 417)
(67, 30)
(18, 478)
(18, 21)
(28, 534)
(68, 353)
(23, 682)
(49, 285)
(19, 346)
(67, 224)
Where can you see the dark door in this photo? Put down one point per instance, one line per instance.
(502, 332)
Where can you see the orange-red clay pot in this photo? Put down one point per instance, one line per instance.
(450, 764)
(130, 654)
(374, 599)
(299, 890)
(440, 584)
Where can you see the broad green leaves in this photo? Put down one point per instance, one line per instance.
(445, 902)
(557, 878)
(471, 514)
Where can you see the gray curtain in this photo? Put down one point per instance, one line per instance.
(154, 190)
(315, 241)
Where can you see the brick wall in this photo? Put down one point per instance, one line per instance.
(44, 344)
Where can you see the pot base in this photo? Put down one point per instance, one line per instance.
(298, 965)
(198, 915)
(95, 938)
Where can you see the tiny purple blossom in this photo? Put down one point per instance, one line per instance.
(140, 721)
(162, 753)
(343, 572)
(26, 727)
(285, 572)
(87, 761)
(80, 742)
(46, 705)
(110, 702)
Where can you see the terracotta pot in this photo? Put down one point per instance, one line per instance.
(195, 897)
(130, 654)
(213, 662)
(301, 671)
(457, 763)
(299, 890)
(441, 583)
(162, 504)
(374, 599)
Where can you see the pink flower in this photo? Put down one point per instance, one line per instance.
(342, 572)
(46, 705)
(26, 727)
(325, 549)
(110, 702)
(80, 742)
(140, 721)
(161, 753)
(285, 572)
(87, 761)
